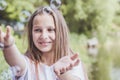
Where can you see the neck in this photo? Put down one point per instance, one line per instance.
(47, 58)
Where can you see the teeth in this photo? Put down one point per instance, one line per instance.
(44, 43)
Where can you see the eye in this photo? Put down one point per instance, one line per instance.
(37, 30)
(51, 29)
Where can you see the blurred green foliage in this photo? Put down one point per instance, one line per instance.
(15, 7)
(82, 16)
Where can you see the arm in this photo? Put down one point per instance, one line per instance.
(12, 55)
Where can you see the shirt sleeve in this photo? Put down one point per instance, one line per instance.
(16, 72)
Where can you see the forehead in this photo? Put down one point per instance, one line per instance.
(43, 19)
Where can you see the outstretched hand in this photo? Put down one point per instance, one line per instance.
(6, 38)
(66, 63)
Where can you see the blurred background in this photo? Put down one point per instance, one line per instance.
(94, 32)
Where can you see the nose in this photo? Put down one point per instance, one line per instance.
(44, 35)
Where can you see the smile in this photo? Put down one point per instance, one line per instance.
(44, 43)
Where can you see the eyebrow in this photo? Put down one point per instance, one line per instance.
(36, 26)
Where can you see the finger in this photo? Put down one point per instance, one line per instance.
(57, 72)
(8, 31)
(77, 62)
(63, 70)
(74, 56)
(1, 35)
(71, 66)
(68, 68)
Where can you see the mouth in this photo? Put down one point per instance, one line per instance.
(45, 43)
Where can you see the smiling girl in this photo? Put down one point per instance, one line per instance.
(48, 56)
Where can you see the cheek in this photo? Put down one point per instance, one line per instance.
(53, 36)
(35, 37)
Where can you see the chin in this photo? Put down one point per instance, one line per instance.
(46, 50)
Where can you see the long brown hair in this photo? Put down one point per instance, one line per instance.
(61, 47)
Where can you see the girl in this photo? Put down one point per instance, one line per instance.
(48, 56)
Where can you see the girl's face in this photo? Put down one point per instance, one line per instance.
(43, 32)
